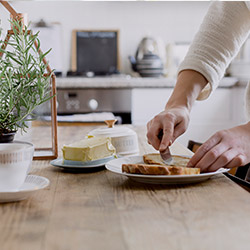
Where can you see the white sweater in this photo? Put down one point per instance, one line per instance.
(223, 31)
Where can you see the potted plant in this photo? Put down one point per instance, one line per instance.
(24, 80)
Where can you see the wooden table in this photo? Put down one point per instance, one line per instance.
(102, 210)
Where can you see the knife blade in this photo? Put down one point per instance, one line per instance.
(166, 154)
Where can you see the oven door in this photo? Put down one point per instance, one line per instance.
(80, 101)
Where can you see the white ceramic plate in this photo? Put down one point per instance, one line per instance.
(32, 184)
(80, 165)
(116, 167)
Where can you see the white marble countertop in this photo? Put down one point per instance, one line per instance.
(126, 81)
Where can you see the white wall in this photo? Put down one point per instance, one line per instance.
(172, 21)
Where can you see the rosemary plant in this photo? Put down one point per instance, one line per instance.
(24, 83)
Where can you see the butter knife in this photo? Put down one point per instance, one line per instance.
(165, 155)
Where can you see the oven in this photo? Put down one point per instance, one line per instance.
(87, 100)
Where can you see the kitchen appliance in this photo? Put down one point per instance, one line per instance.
(123, 138)
(93, 103)
(82, 101)
(147, 61)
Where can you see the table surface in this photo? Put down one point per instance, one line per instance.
(103, 210)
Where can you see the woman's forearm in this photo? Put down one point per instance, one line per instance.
(222, 32)
(188, 87)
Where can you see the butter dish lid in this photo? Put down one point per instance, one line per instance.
(112, 131)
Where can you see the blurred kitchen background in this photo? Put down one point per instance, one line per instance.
(143, 44)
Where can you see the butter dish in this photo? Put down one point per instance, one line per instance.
(78, 165)
(123, 138)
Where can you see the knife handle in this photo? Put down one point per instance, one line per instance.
(160, 135)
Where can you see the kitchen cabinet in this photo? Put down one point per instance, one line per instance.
(148, 96)
(148, 102)
(222, 110)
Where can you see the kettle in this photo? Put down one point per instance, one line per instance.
(147, 61)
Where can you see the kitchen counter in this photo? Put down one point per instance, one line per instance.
(103, 210)
(126, 81)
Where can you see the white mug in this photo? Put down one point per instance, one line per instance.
(15, 163)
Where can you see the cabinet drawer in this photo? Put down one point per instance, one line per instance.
(216, 109)
(222, 110)
(146, 103)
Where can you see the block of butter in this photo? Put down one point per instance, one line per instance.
(89, 149)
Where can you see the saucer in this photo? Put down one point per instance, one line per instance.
(66, 164)
(31, 184)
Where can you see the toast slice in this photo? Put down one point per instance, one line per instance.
(147, 169)
(156, 159)
(154, 165)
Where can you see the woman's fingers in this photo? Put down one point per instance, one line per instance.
(199, 159)
(227, 148)
(172, 122)
(167, 135)
(229, 159)
(152, 134)
(164, 123)
(224, 160)
(238, 161)
(219, 151)
(215, 156)
(174, 126)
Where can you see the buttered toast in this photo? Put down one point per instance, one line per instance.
(153, 165)
(156, 159)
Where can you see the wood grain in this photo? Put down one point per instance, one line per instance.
(102, 210)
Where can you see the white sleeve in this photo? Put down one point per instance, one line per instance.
(223, 31)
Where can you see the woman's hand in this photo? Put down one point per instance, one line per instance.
(227, 148)
(172, 122)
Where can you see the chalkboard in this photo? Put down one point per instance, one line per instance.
(96, 51)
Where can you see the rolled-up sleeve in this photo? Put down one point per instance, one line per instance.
(224, 29)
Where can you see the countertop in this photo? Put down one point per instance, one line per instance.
(101, 210)
(127, 81)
